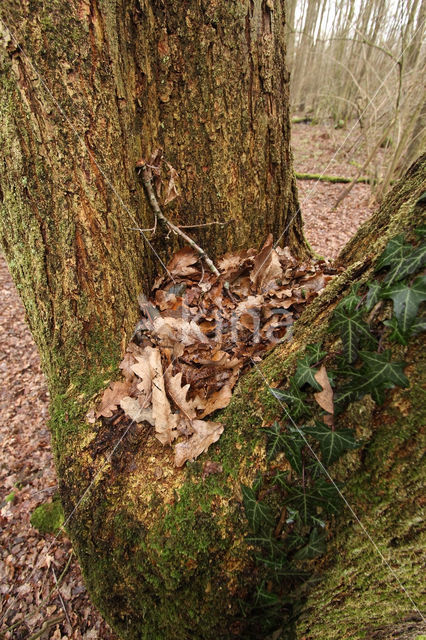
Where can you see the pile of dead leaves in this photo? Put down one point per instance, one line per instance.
(198, 332)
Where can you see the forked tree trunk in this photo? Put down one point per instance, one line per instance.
(163, 551)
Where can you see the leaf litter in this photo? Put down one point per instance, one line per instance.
(198, 333)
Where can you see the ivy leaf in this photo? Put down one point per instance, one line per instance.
(293, 445)
(376, 375)
(318, 522)
(415, 261)
(264, 598)
(351, 301)
(304, 500)
(315, 546)
(396, 334)
(275, 441)
(282, 568)
(406, 301)
(295, 540)
(393, 256)
(305, 374)
(418, 326)
(266, 542)
(281, 478)
(379, 369)
(314, 353)
(333, 444)
(349, 391)
(378, 393)
(329, 493)
(401, 259)
(315, 469)
(257, 483)
(421, 231)
(373, 295)
(294, 398)
(352, 328)
(258, 513)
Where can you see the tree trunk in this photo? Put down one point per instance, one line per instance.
(87, 89)
(163, 551)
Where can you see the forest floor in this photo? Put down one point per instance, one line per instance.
(31, 562)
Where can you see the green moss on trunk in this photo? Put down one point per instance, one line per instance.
(163, 550)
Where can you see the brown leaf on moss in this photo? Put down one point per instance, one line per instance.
(178, 393)
(199, 331)
(165, 421)
(112, 397)
(135, 412)
(205, 434)
(219, 399)
(324, 397)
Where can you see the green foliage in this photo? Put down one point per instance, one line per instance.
(258, 513)
(291, 443)
(333, 442)
(294, 398)
(289, 523)
(373, 295)
(305, 374)
(401, 259)
(406, 301)
(315, 546)
(352, 327)
(376, 374)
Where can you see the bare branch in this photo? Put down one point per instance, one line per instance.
(147, 181)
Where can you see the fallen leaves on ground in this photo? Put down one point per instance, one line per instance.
(198, 333)
(29, 560)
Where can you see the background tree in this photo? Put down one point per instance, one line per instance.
(361, 64)
(87, 90)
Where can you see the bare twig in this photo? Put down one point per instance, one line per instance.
(60, 597)
(204, 224)
(44, 602)
(147, 181)
(46, 625)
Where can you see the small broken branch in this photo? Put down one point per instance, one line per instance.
(47, 624)
(147, 181)
(60, 597)
(333, 179)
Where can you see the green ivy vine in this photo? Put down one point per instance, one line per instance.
(288, 511)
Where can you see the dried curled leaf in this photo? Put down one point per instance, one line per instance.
(205, 434)
(135, 412)
(177, 392)
(324, 397)
(182, 261)
(198, 332)
(267, 267)
(112, 397)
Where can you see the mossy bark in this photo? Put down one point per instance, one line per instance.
(87, 89)
(163, 550)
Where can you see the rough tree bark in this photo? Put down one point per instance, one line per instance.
(162, 550)
(87, 89)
